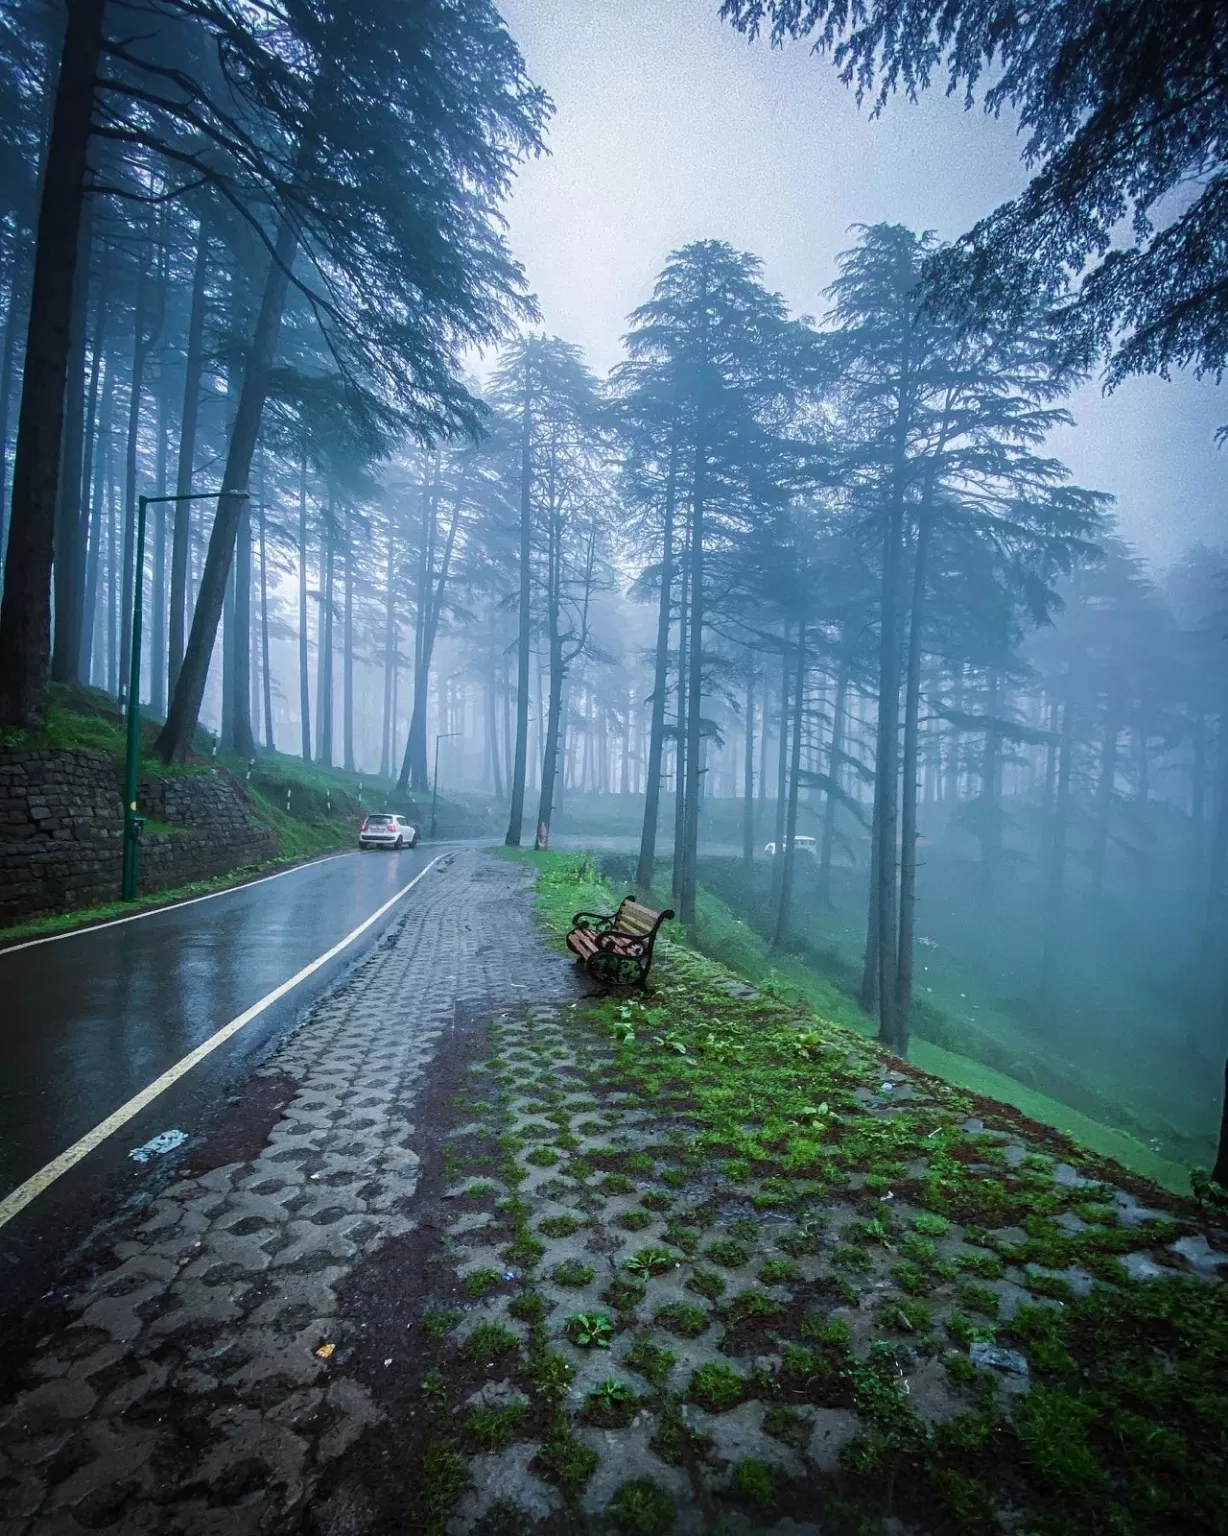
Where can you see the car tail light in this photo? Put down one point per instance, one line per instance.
(363, 828)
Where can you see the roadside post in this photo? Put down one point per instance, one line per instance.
(134, 824)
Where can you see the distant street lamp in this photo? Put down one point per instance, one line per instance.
(132, 760)
(439, 736)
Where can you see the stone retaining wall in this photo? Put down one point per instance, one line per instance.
(61, 831)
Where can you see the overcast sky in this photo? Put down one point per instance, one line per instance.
(670, 127)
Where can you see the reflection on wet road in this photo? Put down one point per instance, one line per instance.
(91, 1018)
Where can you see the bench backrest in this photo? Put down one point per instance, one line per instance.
(634, 917)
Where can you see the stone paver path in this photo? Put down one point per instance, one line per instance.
(194, 1389)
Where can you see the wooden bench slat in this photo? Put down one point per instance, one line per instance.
(629, 934)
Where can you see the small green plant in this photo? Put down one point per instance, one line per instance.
(634, 1221)
(706, 1282)
(928, 1224)
(445, 1476)
(652, 1361)
(686, 1321)
(572, 1273)
(641, 1508)
(543, 1157)
(624, 1293)
(551, 1374)
(480, 1282)
(716, 1387)
(847, 1256)
(651, 1261)
(640, 1162)
(681, 1236)
(617, 1184)
(524, 1250)
(488, 1342)
(752, 1307)
(611, 1405)
(779, 1272)
(494, 1429)
(590, 1330)
(727, 1252)
(558, 1226)
(529, 1307)
(564, 1458)
(744, 1229)
(437, 1321)
(751, 1482)
(656, 1200)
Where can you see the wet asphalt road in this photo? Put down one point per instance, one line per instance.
(91, 1018)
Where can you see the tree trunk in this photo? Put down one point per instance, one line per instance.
(1055, 893)
(324, 665)
(68, 570)
(554, 711)
(1220, 1172)
(695, 685)
(660, 685)
(748, 775)
(347, 704)
(133, 580)
(833, 774)
(782, 770)
(388, 730)
(241, 656)
(684, 619)
(93, 631)
(265, 662)
(887, 771)
(525, 633)
(176, 736)
(908, 821)
(8, 361)
(157, 632)
(492, 706)
(1104, 802)
(304, 669)
(991, 806)
(25, 611)
(182, 530)
(787, 861)
(430, 607)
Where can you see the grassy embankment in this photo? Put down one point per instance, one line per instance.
(313, 809)
(719, 1253)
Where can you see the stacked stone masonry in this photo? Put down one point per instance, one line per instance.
(61, 831)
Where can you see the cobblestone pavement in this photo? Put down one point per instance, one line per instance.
(191, 1388)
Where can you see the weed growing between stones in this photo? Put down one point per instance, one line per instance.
(814, 1295)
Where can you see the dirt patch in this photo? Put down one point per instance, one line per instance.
(376, 1488)
(238, 1132)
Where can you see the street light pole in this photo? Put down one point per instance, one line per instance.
(439, 736)
(132, 758)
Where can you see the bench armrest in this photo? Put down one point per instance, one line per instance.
(581, 919)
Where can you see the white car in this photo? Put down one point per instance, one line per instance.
(801, 843)
(387, 831)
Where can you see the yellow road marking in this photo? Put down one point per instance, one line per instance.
(37, 1183)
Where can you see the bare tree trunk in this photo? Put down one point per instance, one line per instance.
(324, 664)
(492, 711)
(683, 693)
(157, 631)
(908, 823)
(182, 529)
(176, 736)
(834, 757)
(660, 685)
(8, 360)
(347, 704)
(68, 571)
(241, 657)
(748, 773)
(888, 768)
(25, 610)
(1055, 894)
(786, 856)
(93, 630)
(304, 669)
(388, 730)
(265, 662)
(525, 633)
(132, 579)
(695, 688)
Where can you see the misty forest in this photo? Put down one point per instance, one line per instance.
(803, 619)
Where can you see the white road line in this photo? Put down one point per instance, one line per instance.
(170, 906)
(37, 1183)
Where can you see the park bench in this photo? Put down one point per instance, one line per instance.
(616, 947)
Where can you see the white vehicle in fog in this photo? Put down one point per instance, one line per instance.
(387, 831)
(808, 845)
